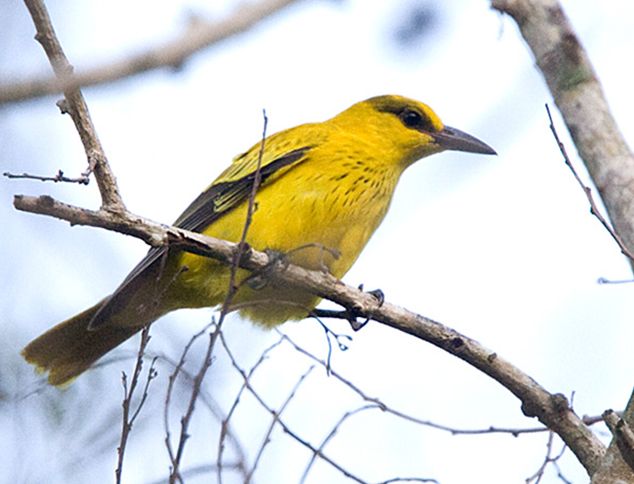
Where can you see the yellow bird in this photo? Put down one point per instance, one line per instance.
(325, 188)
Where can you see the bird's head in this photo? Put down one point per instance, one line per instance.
(405, 129)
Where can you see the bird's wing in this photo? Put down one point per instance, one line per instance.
(230, 189)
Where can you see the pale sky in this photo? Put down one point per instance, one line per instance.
(501, 248)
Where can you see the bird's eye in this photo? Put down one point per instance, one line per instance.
(411, 119)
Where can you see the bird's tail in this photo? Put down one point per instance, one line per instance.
(68, 349)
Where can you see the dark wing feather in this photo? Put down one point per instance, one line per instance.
(210, 205)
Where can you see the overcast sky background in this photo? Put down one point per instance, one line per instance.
(501, 248)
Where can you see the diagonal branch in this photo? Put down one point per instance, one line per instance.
(75, 105)
(594, 209)
(172, 54)
(552, 410)
(577, 92)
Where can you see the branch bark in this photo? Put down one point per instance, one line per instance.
(553, 410)
(577, 92)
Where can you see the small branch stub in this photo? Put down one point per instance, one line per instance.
(623, 435)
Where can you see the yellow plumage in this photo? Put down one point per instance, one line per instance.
(325, 189)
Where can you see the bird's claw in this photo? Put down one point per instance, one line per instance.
(259, 279)
(351, 315)
(376, 293)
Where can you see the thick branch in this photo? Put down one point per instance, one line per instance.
(578, 94)
(75, 105)
(552, 410)
(173, 54)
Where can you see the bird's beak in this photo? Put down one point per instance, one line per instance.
(456, 140)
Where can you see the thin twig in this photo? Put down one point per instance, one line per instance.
(284, 426)
(128, 419)
(82, 179)
(191, 406)
(224, 429)
(331, 434)
(241, 249)
(380, 405)
(551, 409)
(178, 368)
(339, 338)
(603, 280)
(594, 210)
(208, 401)
(278, 414)
(409, 479)
(549, 459)
(202, 469)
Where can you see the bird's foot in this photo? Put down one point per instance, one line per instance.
(351, 315)
(259, 279)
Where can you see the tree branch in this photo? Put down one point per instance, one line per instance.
(577, 92)
(75, 105)
(172, 54)
(623, 435)
(552, 410)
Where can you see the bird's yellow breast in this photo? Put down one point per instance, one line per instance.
(321, 214)
(327, 188)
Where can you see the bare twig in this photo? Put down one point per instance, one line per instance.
(170, 388)
(186, 419)
(173, 54)
(224, 429)
(199, 470)
(75, 105)
(128, 392)
(284, 426)
(594, 210)
(242, 246)
(330, 436)
(549, 459)
(240, 251)
(83, 179)
(379, 404)
(207, 400)
(409, 479)
(339, 338)
(552, 410)
(278, 414)
(603, 280)
(577, 92)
